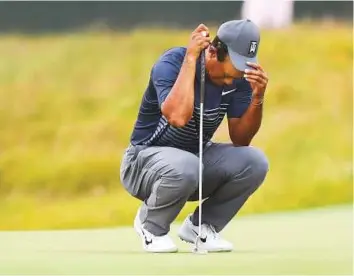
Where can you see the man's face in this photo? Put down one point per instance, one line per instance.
(222, 73)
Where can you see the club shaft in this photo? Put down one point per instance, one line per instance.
(202, 94)
(200, 168)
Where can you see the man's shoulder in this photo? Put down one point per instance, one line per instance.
(177, 52)
(170, 61)
(173, 55)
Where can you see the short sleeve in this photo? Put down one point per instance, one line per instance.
(240, 100)
(164, 75)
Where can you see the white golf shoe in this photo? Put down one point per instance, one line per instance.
(210, 239)
(152, 243)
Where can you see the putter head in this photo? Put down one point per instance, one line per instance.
(197, 248)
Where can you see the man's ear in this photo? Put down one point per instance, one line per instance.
(212, 51)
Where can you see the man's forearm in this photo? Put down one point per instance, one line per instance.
(246, 128)
(179, 104)
(178, 107)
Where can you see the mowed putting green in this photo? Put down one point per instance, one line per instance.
(307, 242)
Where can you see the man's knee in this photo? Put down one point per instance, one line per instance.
(251, 163)
(258, 163)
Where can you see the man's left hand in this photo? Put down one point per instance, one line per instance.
(257, 78)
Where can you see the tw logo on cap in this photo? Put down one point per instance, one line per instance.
(253, 47)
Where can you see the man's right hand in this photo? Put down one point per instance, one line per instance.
(199, 40)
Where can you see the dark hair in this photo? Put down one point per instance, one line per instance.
(221, 48)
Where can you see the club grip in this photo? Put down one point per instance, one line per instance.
(202, 76)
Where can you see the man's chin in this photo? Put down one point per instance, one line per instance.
(218, 82)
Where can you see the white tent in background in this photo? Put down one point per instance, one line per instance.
(268, 13)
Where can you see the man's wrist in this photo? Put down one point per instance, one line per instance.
(190, 58)
(257, 100)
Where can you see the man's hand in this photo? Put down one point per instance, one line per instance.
(199, 40)
(258, 80)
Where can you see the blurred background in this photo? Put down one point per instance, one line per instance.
(72, 75)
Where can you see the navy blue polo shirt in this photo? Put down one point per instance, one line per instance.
(151, 127)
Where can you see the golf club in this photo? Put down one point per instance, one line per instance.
(197, 248)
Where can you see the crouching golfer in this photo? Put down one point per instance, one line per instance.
(160, 166)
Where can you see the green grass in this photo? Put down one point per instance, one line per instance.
(316, 242)
(68, 103)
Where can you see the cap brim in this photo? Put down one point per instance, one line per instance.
(240, 62)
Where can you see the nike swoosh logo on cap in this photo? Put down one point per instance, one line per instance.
(227, 92)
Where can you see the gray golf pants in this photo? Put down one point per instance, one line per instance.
(165, 178)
